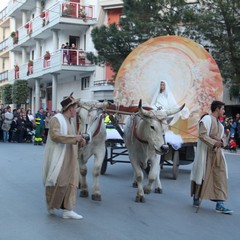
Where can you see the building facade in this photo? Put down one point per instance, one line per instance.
(46, 41)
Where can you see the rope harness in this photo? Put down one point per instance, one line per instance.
(135, 131)
(89, 125)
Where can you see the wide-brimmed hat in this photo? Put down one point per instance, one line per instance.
(68, 101)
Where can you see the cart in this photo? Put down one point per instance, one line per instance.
(175, 158)
(115, 146)
(116, 149)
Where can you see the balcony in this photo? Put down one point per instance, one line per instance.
(3, 15)
(103, 90)
(60, 16)
(4, 46)
(3, 77)
(63, 62)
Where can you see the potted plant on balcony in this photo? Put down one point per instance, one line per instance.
(27, 25)
(68, 11)
(16, 68)
(83, 15)
(14, 36)
(47, 55)
(42, 15)
(30, 63)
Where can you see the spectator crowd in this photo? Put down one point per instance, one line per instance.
(71, 54)
(232, 131)
(20, 125)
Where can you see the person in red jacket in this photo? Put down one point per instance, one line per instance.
(232, 144)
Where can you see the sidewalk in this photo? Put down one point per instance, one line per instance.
(232, 152)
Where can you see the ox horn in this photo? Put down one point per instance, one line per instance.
(158, 114)
(102, 104)
(93, 104)
(174, 111)
(146, 113)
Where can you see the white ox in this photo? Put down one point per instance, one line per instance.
(91, 124)
(144, 139)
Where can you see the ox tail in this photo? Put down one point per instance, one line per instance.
(115, 124)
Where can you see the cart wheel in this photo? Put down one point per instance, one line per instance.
(104, 164)
(175, 164)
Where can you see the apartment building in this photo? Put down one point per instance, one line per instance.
(46, 41)
(5, 22)
(33, 37)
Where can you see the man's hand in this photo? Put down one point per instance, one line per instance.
(218, 144)
(81, 140)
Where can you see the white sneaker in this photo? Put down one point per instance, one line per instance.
(71, 214)
(51, 211)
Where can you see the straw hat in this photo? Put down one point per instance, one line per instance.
(68, 101)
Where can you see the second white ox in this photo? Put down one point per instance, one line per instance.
(91, 126)
(144, 139)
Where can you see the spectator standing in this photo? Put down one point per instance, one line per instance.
(47, 121)
(1, 122)
(66, 52)
(73, 54)
(233, 126)
(14, 129)
(6, 125)
(40, 125)
(21, 128)
(237, 133)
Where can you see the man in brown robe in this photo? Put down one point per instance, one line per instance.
(209, 171)
(60, 168)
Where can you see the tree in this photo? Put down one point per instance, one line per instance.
(7, 94)
(20, 92)
(140, 21)
(1, 94)
(213, 22)
(217, 23)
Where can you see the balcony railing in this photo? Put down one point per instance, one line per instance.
(103, 83)
(3, 76)
(51, 17)
(76, 10)
(74, 57)
(4, 45)
(3, 14)
(56, 62)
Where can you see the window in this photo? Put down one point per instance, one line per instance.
(85, 83)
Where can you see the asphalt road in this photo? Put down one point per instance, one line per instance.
(169, 215)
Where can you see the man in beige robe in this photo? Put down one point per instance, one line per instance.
(60, 168)
(209, 171)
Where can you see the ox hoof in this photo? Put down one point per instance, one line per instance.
(135, 184)
(158, 190)
(96, 197)
(84, 193)
(140, 199)
(147, 191)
